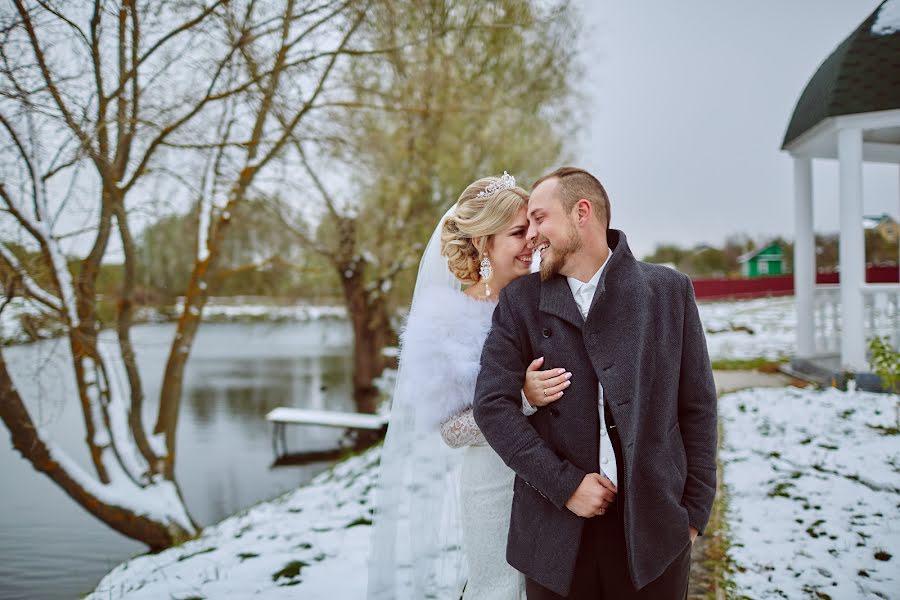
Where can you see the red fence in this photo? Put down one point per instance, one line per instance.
(777, 285)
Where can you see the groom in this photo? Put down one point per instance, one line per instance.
(616, 478)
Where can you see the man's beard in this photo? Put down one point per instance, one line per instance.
(559, 254)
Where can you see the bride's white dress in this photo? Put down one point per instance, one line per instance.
(442, 345)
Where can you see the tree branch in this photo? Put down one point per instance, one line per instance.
(29, 285)
(51, 86)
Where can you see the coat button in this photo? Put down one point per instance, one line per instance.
(545, 332)
(554, 411)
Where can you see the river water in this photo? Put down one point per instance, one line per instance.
(51, 548)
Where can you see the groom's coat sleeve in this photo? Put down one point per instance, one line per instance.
(697, 407)
(498, 410)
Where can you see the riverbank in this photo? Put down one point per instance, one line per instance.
(310, 543)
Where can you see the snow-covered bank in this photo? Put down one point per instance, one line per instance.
(813, 484)
(23, 320)
(812, 477)
(311, 543)
(239, 309)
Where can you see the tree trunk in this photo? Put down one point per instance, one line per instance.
(371, 333)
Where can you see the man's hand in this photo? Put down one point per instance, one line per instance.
(592, 496)
(694, 533)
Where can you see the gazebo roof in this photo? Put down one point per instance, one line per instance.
(862, 74)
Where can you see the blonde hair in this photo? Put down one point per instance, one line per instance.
(477, 217)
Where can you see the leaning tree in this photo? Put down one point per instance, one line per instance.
(101, 102)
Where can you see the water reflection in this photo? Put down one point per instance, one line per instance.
(235, 375)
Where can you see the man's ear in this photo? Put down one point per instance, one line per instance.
(584, 210)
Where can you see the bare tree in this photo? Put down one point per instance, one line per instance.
(125, 95)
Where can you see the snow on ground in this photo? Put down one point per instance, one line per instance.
(311, 543)
(813, 484)
(743, 329)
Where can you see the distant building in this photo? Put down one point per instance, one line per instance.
(886, 227)
(768, 260)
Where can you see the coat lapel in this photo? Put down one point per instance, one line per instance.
(621, 260)
(557, 299)
(618, 311)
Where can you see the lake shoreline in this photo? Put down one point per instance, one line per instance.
(23, 324)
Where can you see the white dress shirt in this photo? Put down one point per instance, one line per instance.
(584, 296)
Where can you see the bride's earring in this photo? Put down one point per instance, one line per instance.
(486, 271)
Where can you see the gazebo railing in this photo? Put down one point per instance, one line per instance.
(827, 319)
(881, 302)
(881, 315)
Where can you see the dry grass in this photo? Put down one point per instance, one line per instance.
(710, 563)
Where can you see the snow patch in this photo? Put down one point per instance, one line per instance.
(744, 329)
(236, 309)
(813, 484)
(311, 543)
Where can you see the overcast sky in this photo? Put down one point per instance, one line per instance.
(686, 107)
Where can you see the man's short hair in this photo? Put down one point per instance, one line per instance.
(575, 184)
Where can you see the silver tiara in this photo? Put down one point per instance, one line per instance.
(505, 182)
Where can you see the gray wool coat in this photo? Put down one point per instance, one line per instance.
(643, 340)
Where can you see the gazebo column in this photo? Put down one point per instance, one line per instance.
(804, 257)
(852, 253)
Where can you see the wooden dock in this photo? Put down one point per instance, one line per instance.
(282, 416)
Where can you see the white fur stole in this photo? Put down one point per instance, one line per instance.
(440, 352)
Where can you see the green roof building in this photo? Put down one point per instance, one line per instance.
(764, 261)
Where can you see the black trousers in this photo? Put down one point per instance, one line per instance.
(601, 570)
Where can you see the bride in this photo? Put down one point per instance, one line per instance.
(442, 515)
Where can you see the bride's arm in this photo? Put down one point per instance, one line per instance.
(460, 430)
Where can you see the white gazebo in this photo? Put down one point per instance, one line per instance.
(849, 111)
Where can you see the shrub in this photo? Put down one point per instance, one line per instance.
(885, 363)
